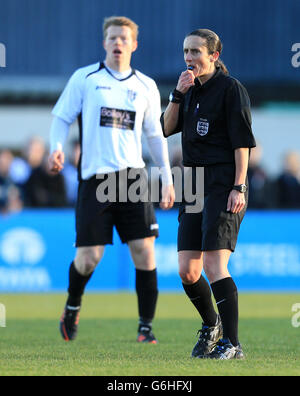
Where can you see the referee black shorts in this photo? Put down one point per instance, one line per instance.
(214, 228)
(95, 220)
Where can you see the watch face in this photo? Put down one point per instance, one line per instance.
(242, 188)
(171, 97)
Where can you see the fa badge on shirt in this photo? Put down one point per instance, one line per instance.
(202, 127)
(131, 95)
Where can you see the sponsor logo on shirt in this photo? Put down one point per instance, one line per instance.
(117, 118)
(202, 127)
(102, 87)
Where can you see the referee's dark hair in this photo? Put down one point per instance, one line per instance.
(213, 44)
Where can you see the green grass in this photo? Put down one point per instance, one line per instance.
(106, 346)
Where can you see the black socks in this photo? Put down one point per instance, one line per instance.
(147, 293)
(224, 290)
(226, 295)
(200, 295)
(77, 284)
(146, 288)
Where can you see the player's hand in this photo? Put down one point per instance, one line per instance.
(168, 197)
(236, 202)
(56, 161)
(187, 79)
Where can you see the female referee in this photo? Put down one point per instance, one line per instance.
(212, 109)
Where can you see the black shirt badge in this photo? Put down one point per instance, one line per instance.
(202, 127)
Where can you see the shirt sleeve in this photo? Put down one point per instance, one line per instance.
(153, 131)
(238, 116)
(151, 124)
(69, 105)
(159, 151)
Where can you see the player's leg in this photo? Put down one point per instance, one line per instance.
(137, 226)
(94, 230)
(80, 272)
(143, 256)
(199, 293)
(226, 296)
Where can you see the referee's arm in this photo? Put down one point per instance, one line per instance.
(170, 119)
(236, 200)
(241, 156)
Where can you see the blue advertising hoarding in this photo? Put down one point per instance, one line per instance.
(37, 247)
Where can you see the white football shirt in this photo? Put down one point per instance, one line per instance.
(113, 113)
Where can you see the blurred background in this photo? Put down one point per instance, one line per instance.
(43, 42)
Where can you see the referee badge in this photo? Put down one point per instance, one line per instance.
(131, 95)
(202, 127)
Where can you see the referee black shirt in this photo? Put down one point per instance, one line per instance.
(215, 120)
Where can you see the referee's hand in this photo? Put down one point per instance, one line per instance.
(168, 197)
(187, 79)
(236, 202)
(56, 161)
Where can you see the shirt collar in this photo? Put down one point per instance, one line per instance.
(117, 75)
(208, 83)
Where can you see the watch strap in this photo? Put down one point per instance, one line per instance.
(176, 96)
(242, 188)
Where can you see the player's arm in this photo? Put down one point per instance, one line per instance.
(159, 151)
(158, 147)
(65, 112)
(58, 135)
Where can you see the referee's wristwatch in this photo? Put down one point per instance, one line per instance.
(242, 188)
(176, 96)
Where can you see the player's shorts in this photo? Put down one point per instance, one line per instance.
(214, 228)
(96, 220)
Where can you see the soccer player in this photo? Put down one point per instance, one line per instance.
(115, 104)
(212, 109)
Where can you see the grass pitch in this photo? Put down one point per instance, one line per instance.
(106, 346)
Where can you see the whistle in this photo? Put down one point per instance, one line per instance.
(190, 68)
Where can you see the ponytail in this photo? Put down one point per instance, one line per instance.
(222, 66)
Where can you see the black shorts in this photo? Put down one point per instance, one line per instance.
(95, 220)
(214, 228)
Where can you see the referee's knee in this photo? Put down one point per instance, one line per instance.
(86, 262)
(214, 272)
(189, 277)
